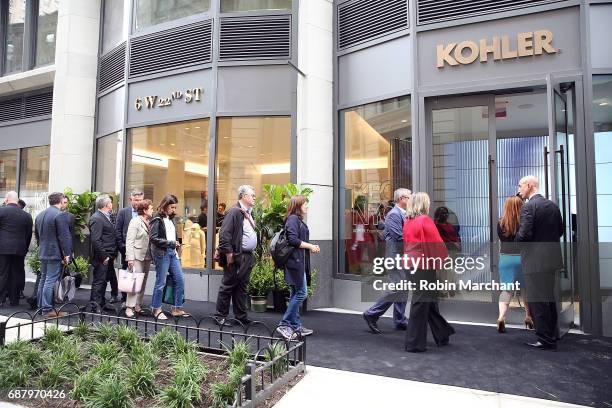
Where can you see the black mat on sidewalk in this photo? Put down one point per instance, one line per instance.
(579, 372)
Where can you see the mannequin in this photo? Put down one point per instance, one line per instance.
(198, 246)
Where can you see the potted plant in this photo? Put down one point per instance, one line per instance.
(80, 266)
(260, 284)
(33, 261)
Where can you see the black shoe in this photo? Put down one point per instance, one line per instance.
(541, 346)
(108, 308)
(414, 350)
(442, 343)
(222, 321)
(401, 326)
(33, 303)
(246, 321)
(371, 322)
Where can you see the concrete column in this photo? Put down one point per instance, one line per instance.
(74, 95)
(315, 133)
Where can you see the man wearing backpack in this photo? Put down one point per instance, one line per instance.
(394, 244)
(237, 241)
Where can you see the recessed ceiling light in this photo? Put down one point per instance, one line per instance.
(172, 144)
(526, 106)
(250, 146)
(197, 127)
(226, 137)
(603, 104)
(404, 121)
(187, 128)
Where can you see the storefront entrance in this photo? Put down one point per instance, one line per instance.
(480, 146)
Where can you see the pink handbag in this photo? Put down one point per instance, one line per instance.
(130, 282)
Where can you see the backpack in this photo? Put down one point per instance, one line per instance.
(280, 249)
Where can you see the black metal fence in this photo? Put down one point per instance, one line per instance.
(262, 379)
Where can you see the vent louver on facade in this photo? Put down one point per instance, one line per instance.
(112, 68)
(250, 38)
(24, 107)
(171, 49)
(365, 20)
(434, 11)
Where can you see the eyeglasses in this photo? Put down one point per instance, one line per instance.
(408, 197)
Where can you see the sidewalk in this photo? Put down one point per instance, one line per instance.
(324, 387)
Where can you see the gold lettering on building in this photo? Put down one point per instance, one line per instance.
(153, 101)
(525, 44)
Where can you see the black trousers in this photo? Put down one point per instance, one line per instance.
(540, 288)
(101, 274)
(234, 286)
(424, 311)
(12, 277)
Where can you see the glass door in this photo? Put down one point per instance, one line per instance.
(463, 198)
(562, 185)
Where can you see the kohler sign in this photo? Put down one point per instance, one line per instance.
(526, 44)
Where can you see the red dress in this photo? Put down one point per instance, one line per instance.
(422, 240)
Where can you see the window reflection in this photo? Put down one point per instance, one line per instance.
(14, 36)
(377, 147)
(152, 12)
(46, 31)
(250, 150)
(8, 172)
(112, 32)
(109, 166)
(252, 5)
(173, 158)
(34, 173)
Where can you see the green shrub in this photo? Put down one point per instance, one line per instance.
(53, 338)
(106, 368)
(81, 330)
(56, 372)
(127, 337)
(163, 343)
(235, 375)
(70, 353)
(175, 397)
(182, 346)
(141, 377)
(33, 261)
(238, 354)
(274, 351)
(262, 278)
(105, 351)
(84, 385)
(223, 394)
(106, 333)
(14, 377)
(19, 362)
(80, 266)
(110, 392)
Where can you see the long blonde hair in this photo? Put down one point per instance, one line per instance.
(418, 205)
(511, 217)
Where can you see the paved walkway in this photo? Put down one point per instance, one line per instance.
(325, 387)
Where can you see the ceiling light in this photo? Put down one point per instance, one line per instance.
(187, 128)
(404, 120)
(250, 146)
(226, 137)
(196, 168)
(603, 104)
(275, 168)
(197, 127)
(172, 144)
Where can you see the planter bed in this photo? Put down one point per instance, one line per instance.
(106, 365)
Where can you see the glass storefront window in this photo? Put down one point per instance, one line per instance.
(173, 159)
(46, 32)
(8, 172)
(228, 6)
(602, 125)
(13, 52)
(250, 150)
(34, 172)
(112, 31)
(109, 165)
(376, 143)
(152, 12)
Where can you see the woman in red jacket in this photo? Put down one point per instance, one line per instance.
(426, 252)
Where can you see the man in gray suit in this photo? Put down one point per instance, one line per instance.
(394, 244)
(55, 248)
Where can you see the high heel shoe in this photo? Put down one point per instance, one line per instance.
(529, 323)
(501, 326)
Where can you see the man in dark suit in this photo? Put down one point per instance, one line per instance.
(122, 223)
(540, 228)
(394, 244)
(15, 237)
(104, 246)
(54, 249)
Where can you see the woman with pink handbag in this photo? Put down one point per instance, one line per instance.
(138, 256)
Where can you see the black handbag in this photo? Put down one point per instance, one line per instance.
(280, 249)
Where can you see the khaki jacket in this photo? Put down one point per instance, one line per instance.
(137, 241)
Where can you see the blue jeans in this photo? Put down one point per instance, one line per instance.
(291, 317)
(50, 271)
(164, 265)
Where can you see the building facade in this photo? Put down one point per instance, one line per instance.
(351, 98)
